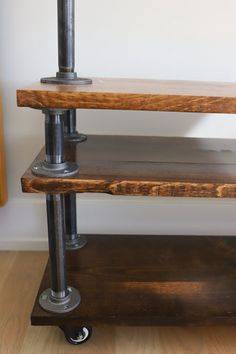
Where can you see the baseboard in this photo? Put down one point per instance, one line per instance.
(23, 220)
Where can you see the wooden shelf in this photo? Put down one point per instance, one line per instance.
(151, 166)
(149, 280)
(130, 94)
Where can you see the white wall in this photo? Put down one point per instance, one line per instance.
(163, 39)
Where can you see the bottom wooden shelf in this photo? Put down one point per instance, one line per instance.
(150, 280)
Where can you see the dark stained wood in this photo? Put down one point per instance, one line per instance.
(150, 166)
(132, 94)
(150, 280)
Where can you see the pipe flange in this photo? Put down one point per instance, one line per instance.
(76, 243)
(63, 305)
(75, 137)
(66, 80)
(46, 169)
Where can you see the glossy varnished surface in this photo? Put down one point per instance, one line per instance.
(131, 94)
(151, 166)
(150, 280)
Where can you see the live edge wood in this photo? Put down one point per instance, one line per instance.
(150, 280)
(133, 94)
(149, 166)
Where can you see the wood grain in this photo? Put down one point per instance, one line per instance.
(135, 340)
(105, 339)
(150, 166)
(3, 179)
(133, 94)
(19, 275)
(150, 281)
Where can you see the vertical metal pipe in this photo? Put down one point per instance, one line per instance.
(66, 35)
(70, 217)
(66, 47)
(70, 122)
(54, 137)
(54, 164)
(56, 238)
(73, 240)
(70, 198)
(71, 134)
(59, 298)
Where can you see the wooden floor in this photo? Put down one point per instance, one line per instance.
(20, 276)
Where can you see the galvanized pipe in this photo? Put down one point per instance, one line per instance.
(54, 137)
(66, 35)
(56, 239)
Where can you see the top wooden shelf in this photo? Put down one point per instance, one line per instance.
(132, 94)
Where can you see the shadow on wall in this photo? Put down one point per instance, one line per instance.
(137, 123)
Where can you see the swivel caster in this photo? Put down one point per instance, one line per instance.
(77, 336)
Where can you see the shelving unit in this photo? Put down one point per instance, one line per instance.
(120, 279)
(144, 280)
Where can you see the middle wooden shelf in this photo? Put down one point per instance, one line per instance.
(149, 166)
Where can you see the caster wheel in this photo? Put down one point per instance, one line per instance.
(79, 335)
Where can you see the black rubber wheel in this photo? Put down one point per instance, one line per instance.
(79, 335)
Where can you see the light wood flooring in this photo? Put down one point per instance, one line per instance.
(20, 274)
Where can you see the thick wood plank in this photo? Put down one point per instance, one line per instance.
(150, 166)
(131, 94)
(150, 280)
(21, 338)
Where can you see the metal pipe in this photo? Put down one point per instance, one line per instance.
(54, 137)
(56, 239)
(74, 241)
(70, 132)
(70, 122)
(66, 35)
(70, 217)
(59, 298)
(66, 47)
(54, 164)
